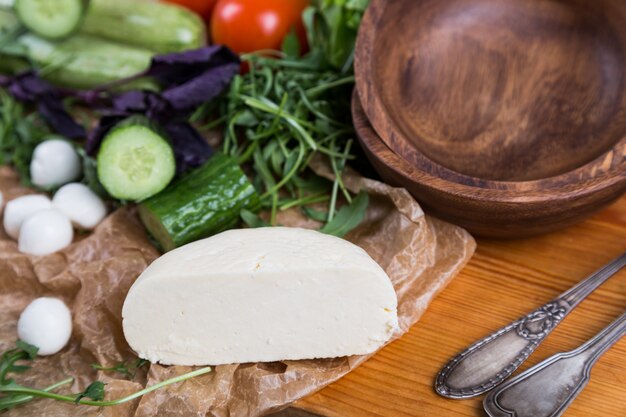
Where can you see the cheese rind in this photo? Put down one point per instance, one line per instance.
(260, 295)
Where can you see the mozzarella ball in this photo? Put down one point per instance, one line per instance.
(55, 162)
(47, 324)
(81, 205)
(19, 209)
(45, 232)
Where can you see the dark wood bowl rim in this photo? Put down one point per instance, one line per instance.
(563, 185)
(519, 192)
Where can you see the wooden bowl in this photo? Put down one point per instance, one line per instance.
(499, 208)
(507, 90)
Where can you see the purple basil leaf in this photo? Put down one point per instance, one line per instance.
(151, 104)
(190, 148)
(29, 87)
(132, 101)
(194, 77)
(97, 135)
(53, 111)
(200, 89)
(177, 68)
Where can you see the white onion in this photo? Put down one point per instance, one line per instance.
(45, 232)
(19, 209)
(81, 205)
(46, 323)
(55, 162)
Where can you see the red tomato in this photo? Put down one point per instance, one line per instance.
(253, 25)
(202, 7)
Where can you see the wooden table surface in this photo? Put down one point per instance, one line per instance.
(503, 281)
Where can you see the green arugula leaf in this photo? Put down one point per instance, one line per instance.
(95, 391)
(348, 217)
(313, 184)
(252, 220)
(19, 135)
(128, 368)
(13, 394)
(318, 215)
(29, 349)
(291, 44)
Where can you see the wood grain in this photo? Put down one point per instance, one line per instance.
(496, 208)
(503, 281)
(507, 117)
(508, 90)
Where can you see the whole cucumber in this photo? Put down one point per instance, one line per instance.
(156, 26)
(83, 61)
(206, 201)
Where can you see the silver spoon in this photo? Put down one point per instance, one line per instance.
(547, 389)
(491, 360)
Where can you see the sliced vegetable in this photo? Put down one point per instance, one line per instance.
(159, 27)
(253, 25)
(50, 19)
(134, 161)
(206, 201)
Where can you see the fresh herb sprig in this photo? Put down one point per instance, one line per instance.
(289, 108)
(127, 368)
(20, 133)
(287, 115)
(13, 394)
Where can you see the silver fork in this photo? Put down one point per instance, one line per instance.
(547, 389)
(491, 360)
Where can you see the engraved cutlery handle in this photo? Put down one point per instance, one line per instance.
(491, 360)
(547, 389)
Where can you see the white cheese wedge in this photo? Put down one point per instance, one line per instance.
(260, 295)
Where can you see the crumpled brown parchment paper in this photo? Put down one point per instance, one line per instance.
(93, 275)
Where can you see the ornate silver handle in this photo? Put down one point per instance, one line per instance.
(489, 361)
(547, 389)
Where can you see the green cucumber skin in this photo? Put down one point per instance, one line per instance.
(24, 10)
(8, 21)
(12, 60)
(205, 202)
(108, 164)
(83, 61)
(158, 27)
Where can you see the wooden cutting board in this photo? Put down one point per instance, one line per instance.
(503, 281)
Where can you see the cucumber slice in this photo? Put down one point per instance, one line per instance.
(206, 201)
(51, 19)
(134, 161)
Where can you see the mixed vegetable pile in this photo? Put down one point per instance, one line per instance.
(109, 102)
(98, 75)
